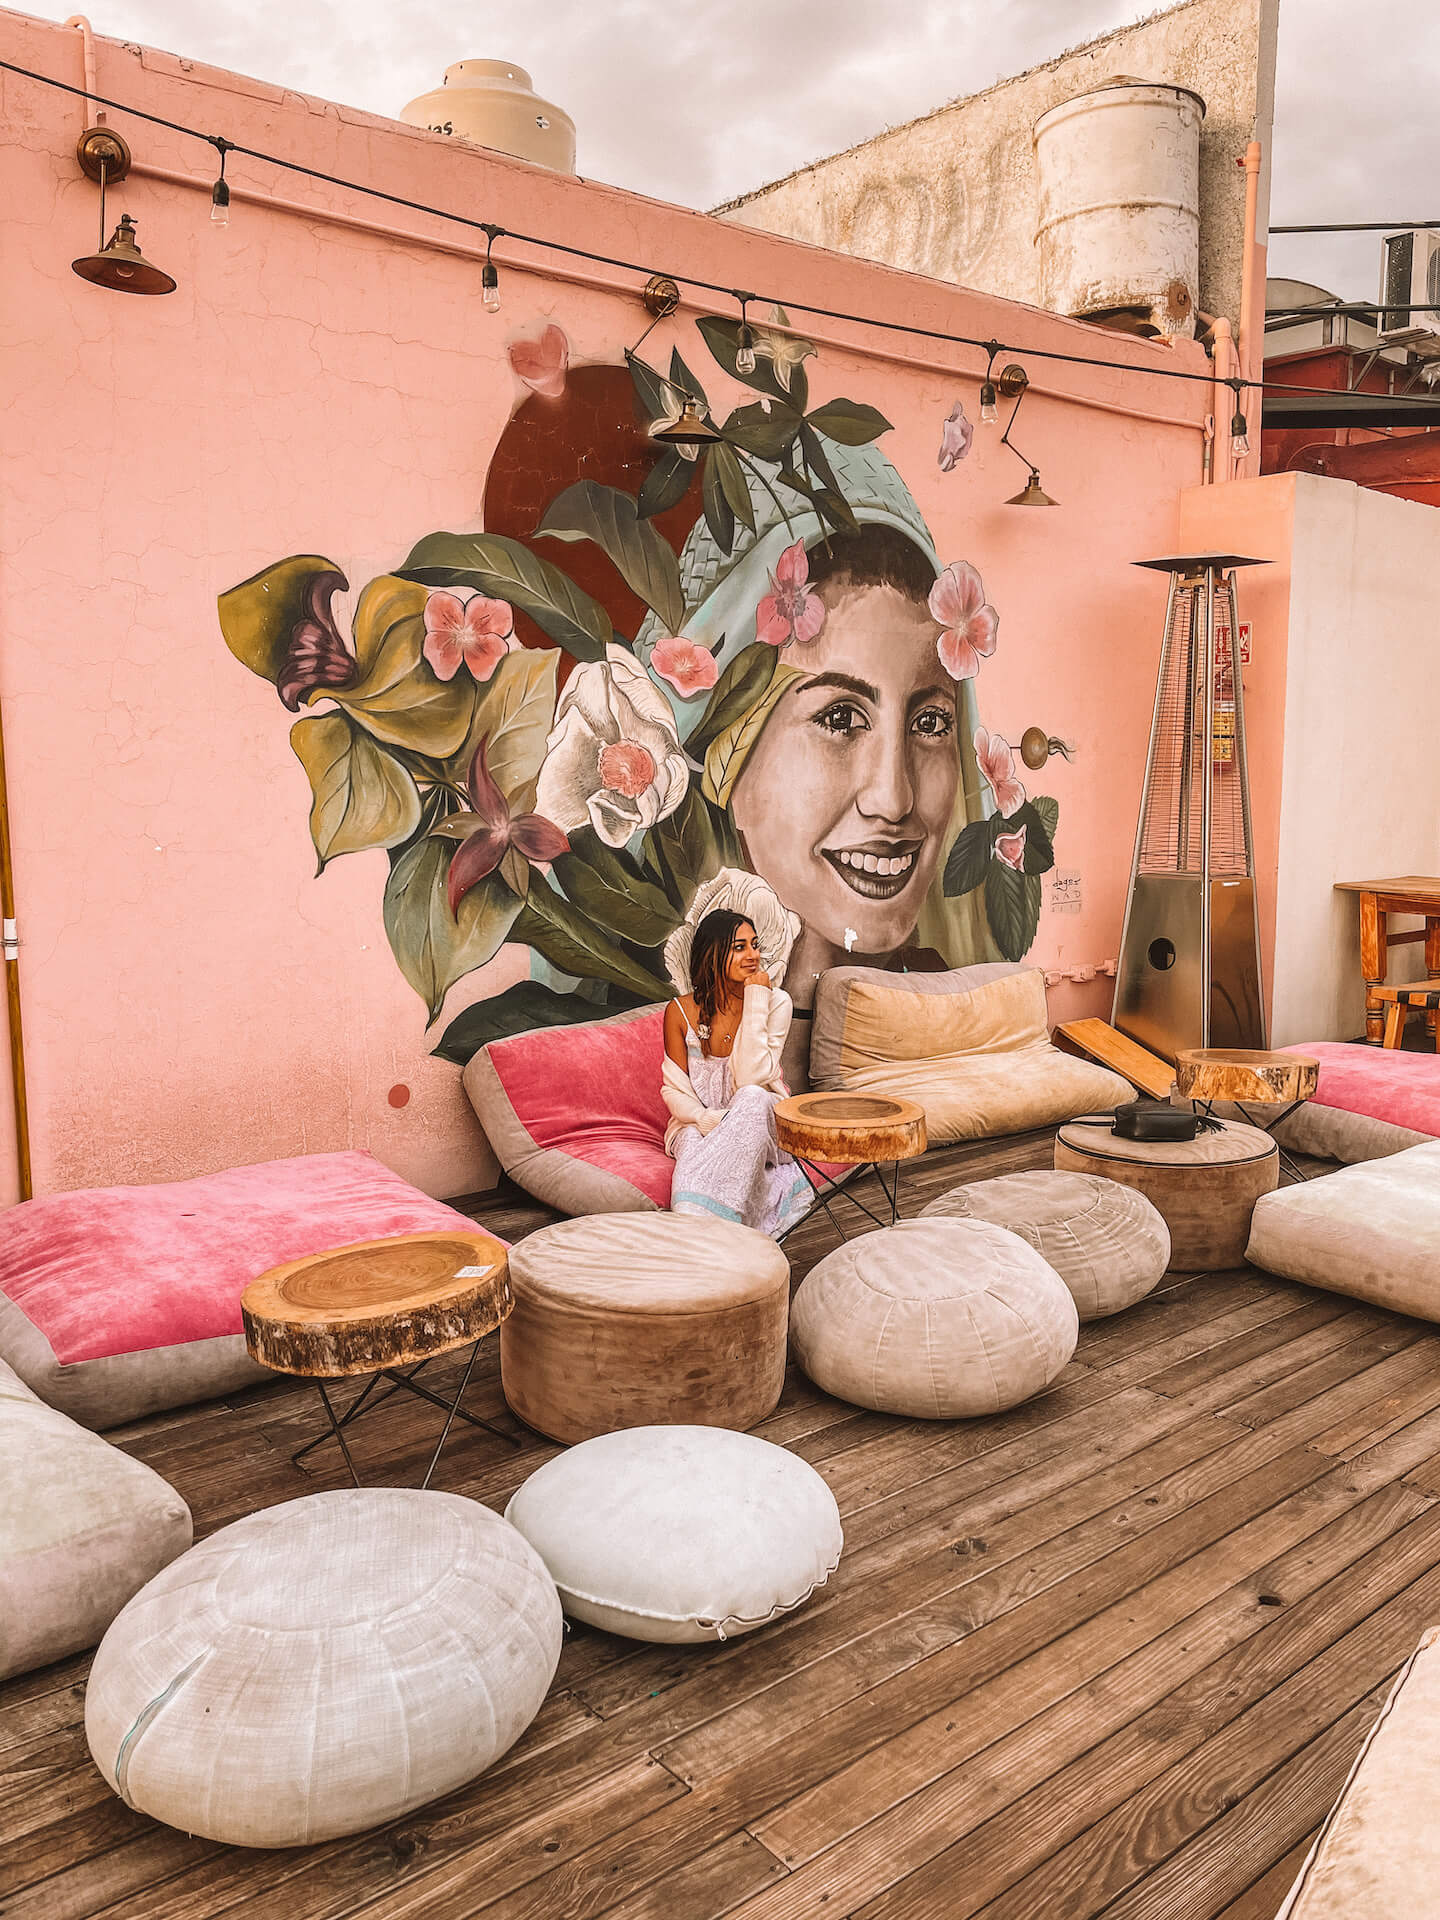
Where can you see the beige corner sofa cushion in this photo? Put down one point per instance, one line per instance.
(82, 1528)
(680, 1533)
(934, 1319)
(971, 1046)
(324, 1666)
(1371, 1231)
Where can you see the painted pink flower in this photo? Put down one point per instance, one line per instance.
(790, 611)
(1010, 847)
(957, 600)
(493, 831)
(684, 666)
(997, 763)
(955, 438)
(478, 631)
(542, 364)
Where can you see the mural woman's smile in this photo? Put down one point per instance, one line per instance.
(877, 870)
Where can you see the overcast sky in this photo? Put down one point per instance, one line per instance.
(697, 100)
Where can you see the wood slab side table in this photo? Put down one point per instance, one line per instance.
(386, 1308)
(1211, 1076)
(1415, 893)
(851, 1130)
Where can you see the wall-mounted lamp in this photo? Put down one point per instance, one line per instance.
(661, 296)
(119, 263)
(690, 431)
(1014, 380)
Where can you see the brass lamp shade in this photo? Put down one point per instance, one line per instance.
(1033, 494)
(688, 430)
(121, 266)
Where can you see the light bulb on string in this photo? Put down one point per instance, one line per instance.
(1239, 428)
(989, 412)
(489, 273)
(745, 350)
(220, 192)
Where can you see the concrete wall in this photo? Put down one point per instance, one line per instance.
(954, 194)
(325, 382)
(1345, 766)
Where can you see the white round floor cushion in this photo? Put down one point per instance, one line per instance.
(1108, 1243)
(323, 1666)
(934, 1319)
(680, 1533)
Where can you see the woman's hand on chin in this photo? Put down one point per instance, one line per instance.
(759, 978)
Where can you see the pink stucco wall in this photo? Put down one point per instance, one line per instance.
(194, 997)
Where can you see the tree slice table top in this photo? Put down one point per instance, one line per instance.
(1245, 1073)
(377, 1304)
(850, 1129)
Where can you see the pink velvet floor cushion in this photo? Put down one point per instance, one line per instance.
(575, 1114)
(118, 1301)
(1371, 1101)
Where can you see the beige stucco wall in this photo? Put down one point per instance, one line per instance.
(953, 195)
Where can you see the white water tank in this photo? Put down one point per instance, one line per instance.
(493, 103)
(1119, 203)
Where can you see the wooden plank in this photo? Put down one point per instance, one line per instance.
(1264, 1897)
(1098, 1040)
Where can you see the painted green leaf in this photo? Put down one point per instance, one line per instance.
(571, 943)
(514, 712)
(726, 754)
(432, 947)
(396, 697)
(258, 617)
(969, 860)
(722, 337)
(764, 435)
(681, 376)
(813, 448)
(363, 797)
(641, 556)
(1038, 817)
(506, 570)
(666, 484)
(831, 506)
(608, 886)
(1012, 906)
(654, 397)
(731, 476)
(520, 1009)
(718, 516)
(733, 695)
(850, 422)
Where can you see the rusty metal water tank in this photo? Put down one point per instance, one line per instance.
(493, 103)
(1118, 237)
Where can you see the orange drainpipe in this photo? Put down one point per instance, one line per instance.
(10, 945)
(1252, 323)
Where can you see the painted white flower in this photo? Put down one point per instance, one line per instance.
(613, 758)
(775, 926)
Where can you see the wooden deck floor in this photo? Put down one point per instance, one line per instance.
(1113, 1652)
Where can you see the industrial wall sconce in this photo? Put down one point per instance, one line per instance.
(661, 296)
(119, 264)
(1014, 380)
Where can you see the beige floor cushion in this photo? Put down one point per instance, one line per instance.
(1372, 1231)
(680, 1533)
(1377, 1856)
(972, 1046)
(82, 1528)
(1206, 1188)
(1107, 1242)
(936, 1319)
(644, 1319)
(323, 1666)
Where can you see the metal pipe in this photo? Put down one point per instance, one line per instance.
(1242, 767)
(1207, 804)
(1145, 786)
(10, 943)
(1224, 397)
(1251, 164)
(87, 39)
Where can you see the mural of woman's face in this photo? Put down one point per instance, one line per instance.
(847, 794)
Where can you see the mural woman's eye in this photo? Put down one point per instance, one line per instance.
(844, 717)
(936, 722)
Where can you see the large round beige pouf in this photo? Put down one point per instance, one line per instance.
(936, 1319)
(324, 1666)
(1107, 1242)
(1206, 1187)
(680, 1533)
(644, 1319)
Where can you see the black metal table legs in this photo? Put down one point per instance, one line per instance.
(397, 1381)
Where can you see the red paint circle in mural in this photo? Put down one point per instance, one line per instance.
(399, 1096)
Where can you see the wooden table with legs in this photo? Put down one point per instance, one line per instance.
(851, 1130)
(1413, 893)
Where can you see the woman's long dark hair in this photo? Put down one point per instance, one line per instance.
(709, 955)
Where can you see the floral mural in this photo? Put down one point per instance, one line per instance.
(670, 662)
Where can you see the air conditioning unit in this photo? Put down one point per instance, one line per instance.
(1410, 278)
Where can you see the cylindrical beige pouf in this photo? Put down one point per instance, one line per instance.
(935, 1319)
(324, 1666)
(1106, 1241)
(644, 1319)
(1206, 1187)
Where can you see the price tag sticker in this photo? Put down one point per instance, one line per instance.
(472, 1273)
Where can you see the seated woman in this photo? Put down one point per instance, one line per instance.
(723, 1042)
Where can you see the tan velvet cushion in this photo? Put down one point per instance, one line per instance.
(1371, 1231)
(1107, 1242)
(1378, 1854)
(976, 1055)
(82, 1528)
(936, 1319)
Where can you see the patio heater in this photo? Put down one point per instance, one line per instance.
(1189, 972)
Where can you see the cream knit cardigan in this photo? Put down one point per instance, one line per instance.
(754, 1062)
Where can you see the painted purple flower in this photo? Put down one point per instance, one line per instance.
(493, 830)
(317, 659)
(955, 438)
(790, 611)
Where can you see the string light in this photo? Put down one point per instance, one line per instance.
(745, 350)
(220, 192)
(489, 273)
(989, 412)
(1239, 432)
